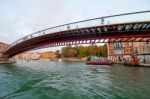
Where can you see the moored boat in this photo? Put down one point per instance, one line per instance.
(98, 61)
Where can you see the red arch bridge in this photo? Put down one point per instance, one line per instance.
(128, 27)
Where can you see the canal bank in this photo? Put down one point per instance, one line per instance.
(132, 65)
(8, 61)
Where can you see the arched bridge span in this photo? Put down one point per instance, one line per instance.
(85, 32)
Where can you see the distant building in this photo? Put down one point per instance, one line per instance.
(35, 55)
(3, 47)
(142, 49)
(120, 51)
(28, 56)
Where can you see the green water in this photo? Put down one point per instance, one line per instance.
(68, 80)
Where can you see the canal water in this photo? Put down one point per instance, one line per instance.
(72, 80)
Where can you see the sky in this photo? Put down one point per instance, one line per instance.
(19, 18)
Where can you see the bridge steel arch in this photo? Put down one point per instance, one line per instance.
(137, 31)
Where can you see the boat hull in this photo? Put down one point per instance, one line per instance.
(98, 63)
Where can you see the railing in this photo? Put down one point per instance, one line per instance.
(113, 19)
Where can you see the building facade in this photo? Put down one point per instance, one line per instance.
(35, 55)
(117, 52)
(28, 56)
(3, 46)
(142, 49)
(121, 51)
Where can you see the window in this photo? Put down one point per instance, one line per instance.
(131, 50)
(124, 51)
(136, 51)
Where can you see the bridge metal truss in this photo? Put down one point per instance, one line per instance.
(123, 32)
(91, 36)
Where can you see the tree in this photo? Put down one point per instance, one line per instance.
(69, 51)
(57, 53)
(84, 51)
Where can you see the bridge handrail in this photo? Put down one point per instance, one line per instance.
(74, 25)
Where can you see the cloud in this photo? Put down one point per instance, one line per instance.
(21, 18)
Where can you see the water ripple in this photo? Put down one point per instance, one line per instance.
(61, 80)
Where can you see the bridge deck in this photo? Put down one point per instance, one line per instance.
(87, 32)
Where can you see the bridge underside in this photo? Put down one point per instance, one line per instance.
(126, 32)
